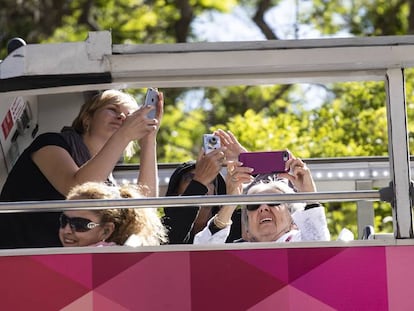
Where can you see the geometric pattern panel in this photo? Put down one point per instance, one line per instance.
(356, 276)
(400, 276)
(321, 278)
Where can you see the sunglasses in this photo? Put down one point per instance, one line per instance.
(77, 224)
(253, 207)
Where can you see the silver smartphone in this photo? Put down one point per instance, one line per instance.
(151, 99)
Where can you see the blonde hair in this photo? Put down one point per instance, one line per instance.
(143, 222)
(100, 100)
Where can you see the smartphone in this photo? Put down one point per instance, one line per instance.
(265, 162)
(151, 99)
(211, 142)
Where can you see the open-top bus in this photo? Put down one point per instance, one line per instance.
(41, 88)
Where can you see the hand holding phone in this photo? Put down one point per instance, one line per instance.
(211, 142)
(265, 162)
(151, 99)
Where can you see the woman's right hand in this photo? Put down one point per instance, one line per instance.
(234, 148)
(136, 125)
(208, 165)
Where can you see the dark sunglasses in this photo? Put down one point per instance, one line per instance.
(77, 224)
(253, 207)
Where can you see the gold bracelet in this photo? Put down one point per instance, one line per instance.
(220, 224)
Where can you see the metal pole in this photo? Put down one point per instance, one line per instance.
(399, 153)
(180, 201)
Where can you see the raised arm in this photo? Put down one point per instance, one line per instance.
(236, 176)
(233, 147)
(218, 227)
(148, 173)
(299, 175)
(61, 171)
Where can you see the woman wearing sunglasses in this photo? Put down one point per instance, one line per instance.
(285, 222)
(108, 125)
(126, 226)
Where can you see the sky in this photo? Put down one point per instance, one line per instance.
(238, 26)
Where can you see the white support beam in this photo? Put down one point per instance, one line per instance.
(399, 153)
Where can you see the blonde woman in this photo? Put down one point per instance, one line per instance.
(88, 151)
(126, 226)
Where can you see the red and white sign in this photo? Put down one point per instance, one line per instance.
(7, 124)
(17, 108)
(12, 115)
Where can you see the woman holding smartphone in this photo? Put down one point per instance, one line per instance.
(127, 226)
(105, 127)
(270, 222)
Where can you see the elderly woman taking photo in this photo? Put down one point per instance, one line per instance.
(88, 151)
(270, 222)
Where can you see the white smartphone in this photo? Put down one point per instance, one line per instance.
(211, 142)
(151, 99)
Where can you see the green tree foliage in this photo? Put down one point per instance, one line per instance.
(361, 17)
(130, 21)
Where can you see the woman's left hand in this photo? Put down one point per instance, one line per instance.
(299, 175)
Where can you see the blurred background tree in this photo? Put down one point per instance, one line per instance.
(341, 119)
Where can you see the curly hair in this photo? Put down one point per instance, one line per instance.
(142, 222)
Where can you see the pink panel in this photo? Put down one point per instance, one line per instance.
(273, 262)
(289, 298)
(32, 286)
(80, 266)
(234, 284)
(83, 303)
(400, 274)
(101, 303)
(303, 260)
(106, 266)
(354, 279)
(340, 278)
(161, 281)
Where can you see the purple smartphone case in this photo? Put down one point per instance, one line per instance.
(265, 162)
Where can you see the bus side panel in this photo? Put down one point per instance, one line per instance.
(329, 278)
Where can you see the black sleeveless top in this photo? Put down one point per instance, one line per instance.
(26, 182)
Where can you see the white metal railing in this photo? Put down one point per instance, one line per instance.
(6, 207)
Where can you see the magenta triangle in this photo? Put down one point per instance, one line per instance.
(221, 275)
(158, 282)
(290, 298)
(26, 281)
(355, 279)
(80, 266)
(302, 260)
(106, 266)
(271, 261)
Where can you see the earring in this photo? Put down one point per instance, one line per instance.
(106, 231)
